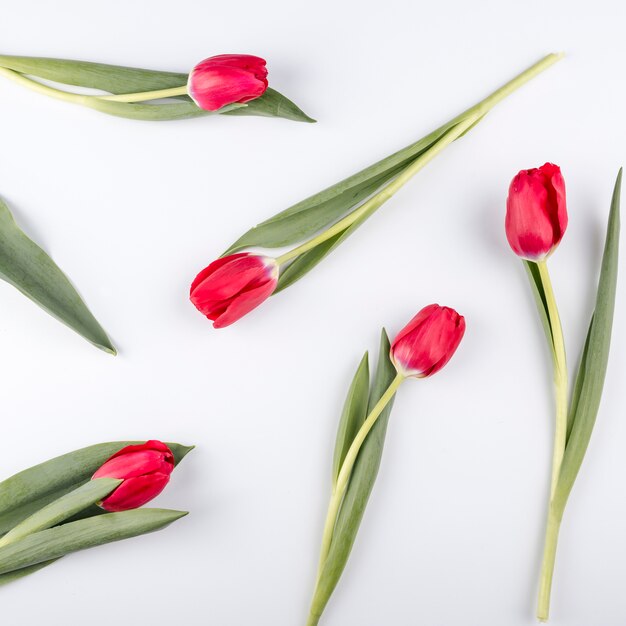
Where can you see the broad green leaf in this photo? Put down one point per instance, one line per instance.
(24, 493)
(119, 79)
(9, 577)
(360, 486)
(304, 219)
(63, 508)
(27, 267)
(592, 369)
(56, 542)
(540, 298)
(353, 414)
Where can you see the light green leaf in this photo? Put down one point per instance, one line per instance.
(540, 298)
(24, 493)
(353, 414)
(63, 508)
(27, 267)
(9, 577)
(304, 219)
(120, 79)
(592, 369)
(360, 485)
(56, 542)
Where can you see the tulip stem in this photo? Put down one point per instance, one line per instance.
(143, 96)
(376, 201)
(547, 566)
(34, 85)
(347, 466)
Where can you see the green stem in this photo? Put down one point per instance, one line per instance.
(347, 466)
(458, 126)
(34, 85)
(560, 376)
(142, 96)
(376, 201)
(547, 567)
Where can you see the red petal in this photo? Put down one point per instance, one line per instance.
(135, 492)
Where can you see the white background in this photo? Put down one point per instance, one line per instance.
(132, 210)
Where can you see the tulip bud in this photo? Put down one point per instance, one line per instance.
(428, 341)
(232, 286)
(145, 469)
(536, 214)
(227, 78)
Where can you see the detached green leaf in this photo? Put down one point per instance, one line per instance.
(24, 493)
(592, 369)
(94, 531)
(353, 414)
(27, 267)
(360, 485)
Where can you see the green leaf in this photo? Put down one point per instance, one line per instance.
(24, 493)
(360, 485)
(540, 298)
(272, 104)
(353, 414)
(304, 219)
(63, 508)
(27, 267)
(118, 79)
(56, 542)
(592, 369)
(9, 577)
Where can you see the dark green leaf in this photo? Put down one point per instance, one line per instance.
(353, 414)
(592, 369)
(272, 104)
(54, 543)
(540, 298)
(360, 486)
(304, 219)
(28, 268)
(30, 490)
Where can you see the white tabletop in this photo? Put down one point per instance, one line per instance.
(131, 211)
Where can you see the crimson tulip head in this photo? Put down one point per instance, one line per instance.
(145, 470)
(428, 341)
(232, 286)
(536, 213)
(225, 79)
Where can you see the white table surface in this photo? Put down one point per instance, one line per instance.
(131, 211)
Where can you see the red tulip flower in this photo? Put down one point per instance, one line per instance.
(232, 286)
(536, 214)
(145, 470)
(428, 341)
(227, 78)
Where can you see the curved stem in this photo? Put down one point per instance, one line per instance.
(143, 96)
(376, 201)
(348, 465)
(34, 85)
(560, 375)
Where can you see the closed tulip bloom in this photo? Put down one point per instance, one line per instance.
(428, 341)
(225, 79)
(536, 213)
(145, 470)
(232, 286)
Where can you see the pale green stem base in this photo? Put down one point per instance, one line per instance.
(547, 568)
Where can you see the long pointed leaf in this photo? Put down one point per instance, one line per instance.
(307, 217)
(590, 380)
(28, 491)
(27, 267)
(353, 414)
(118, 79)
(56, 542)
(9, 577)
(360, 486)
